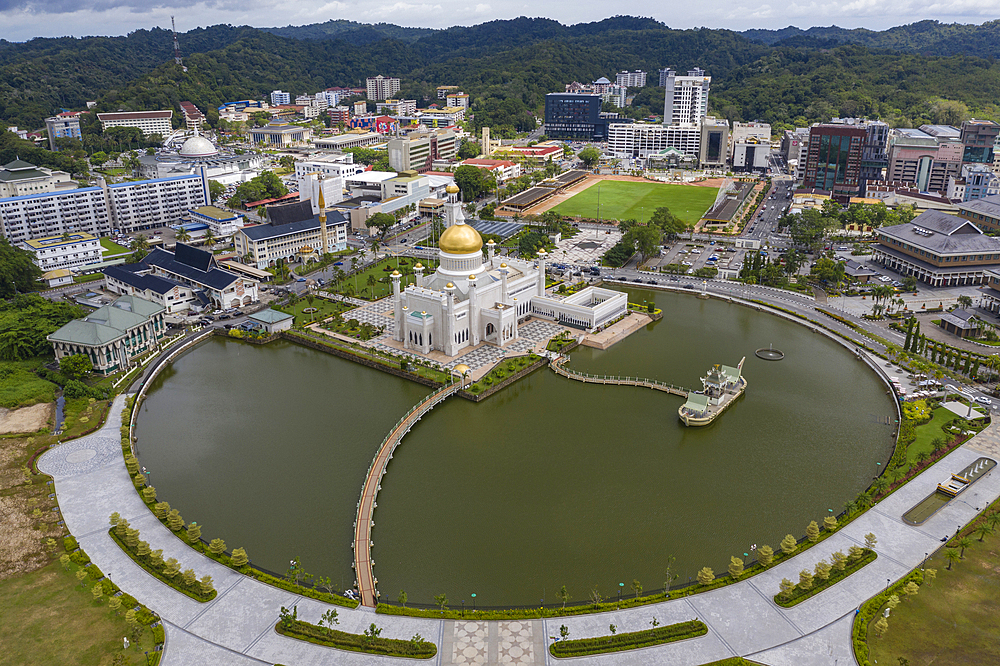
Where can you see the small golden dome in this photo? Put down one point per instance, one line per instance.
(542, 253)
(460, 239)
(396, 274)
(472, 277)
(503, 265)
(450, 285)
(452, 189)
(462, 368)
(418, 266)
(492, 242)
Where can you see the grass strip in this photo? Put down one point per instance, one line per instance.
(159, 575)
(799, 595)
(415, 648)
(629, 641)
(871, 609)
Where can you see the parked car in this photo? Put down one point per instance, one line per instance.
(983, 400)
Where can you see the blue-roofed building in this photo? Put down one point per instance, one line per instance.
(292, 227)
(187, 279)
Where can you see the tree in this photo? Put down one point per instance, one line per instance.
(765, 555)
(182, 235)
(563, 595)
(706, 576)
(805, 579)
(205, 585)
(76, 366)
(965, 301)
(156, 559)
(881, 626)
(671, 225)
(469, 150)
(636, 587)
(172, 567)
(929, 575)
(329, 618)
(143, 549)
(788, 544)
(193, 533)
(382, 222)
(97, 591)
(595, 597)
(735, 567)
(174, 520)
(210, 238)
(215, 190)
(189, 577)
(590, 156)
(114, 603)
(822, 570)
(18, 271)
(983, 530)
(645, 239)
(217, 547)
(870, 541)
(786, 587)
(161, 510)
(140, 248)
(563, 632)
(812, 531)
(239, 558)
(441, 600)
(830, 523)
(962, 543)
(81, 574)
(402, 598)
(854, 553)
(952, 556)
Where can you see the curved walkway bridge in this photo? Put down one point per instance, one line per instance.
(558, 366)
(366, 505)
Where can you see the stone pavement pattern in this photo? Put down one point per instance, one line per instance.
(237, 627)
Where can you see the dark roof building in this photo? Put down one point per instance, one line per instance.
(984, 212)
(939, 249)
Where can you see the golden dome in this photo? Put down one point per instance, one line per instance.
(503, 265)
(492, 242)
(473, 277)
(396, 274)
(418, 266)
(450, 285)
(462, 368)
(452, 189)
(460, 239)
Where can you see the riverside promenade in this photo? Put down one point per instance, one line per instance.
(237, 627)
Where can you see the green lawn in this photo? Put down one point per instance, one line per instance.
(111, 247)
(955, 619)
(361, 288)
(929, 432)
(623, 200)
(21, 387)
(324, 309)
(49, 618)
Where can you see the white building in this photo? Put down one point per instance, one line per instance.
(293, 231)
(397, 107)
(150, 122)
(197, 153)
(20, 178)
(458, 100)
(640, 140)
(686, 98)
(62, 126)
(336, 165)
(65, 250)
(470, 299)
(130, 207)
(187, 278)
(751, 154)
(222, 223)
(617, 95)
(419, 150)
(743, 131)
(348, 140)
(380, 87)
(636, 79)
(332, 186)
(279, 97)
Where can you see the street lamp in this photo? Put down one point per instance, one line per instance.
(621, 586)
(473, 602)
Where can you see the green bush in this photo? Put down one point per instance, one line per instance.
(176, 582)
(357, 642)
(799, 595)
(629, 641)
(870, 610)
(69, 542)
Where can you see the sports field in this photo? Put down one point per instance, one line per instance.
(624, 200)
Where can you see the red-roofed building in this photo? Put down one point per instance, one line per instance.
(193, 118)
(540, 154)
(502, 170)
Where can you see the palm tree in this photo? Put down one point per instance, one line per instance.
(952, 556)
(182, 235)
(965, 301)
(210, 238)
(983, 529)
(371, 283)
(963, 543)
(880, 484)
(993, 520)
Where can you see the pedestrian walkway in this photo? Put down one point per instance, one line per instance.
(237, 627)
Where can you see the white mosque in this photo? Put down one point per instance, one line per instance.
(470, 298)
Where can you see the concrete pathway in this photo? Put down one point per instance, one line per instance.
(237, 626)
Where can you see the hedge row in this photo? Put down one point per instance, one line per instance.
(870, 610)
(415, 648)
(799, 595)
(193, 590)
(629, 641)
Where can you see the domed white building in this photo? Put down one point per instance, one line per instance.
(197, 152)
(473, 298)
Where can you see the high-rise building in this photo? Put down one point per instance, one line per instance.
(380, 87)
(193, 117)
(62, 127)
(978, 137)
(418, 150)
(636, 79)
(577, 116)
(834, 159)
(874, 157)
(150, 122)
(924, 157)
(686, 98)
(714, 142)
(642, 140)
(279, 97)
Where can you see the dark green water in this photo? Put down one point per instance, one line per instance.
(549, 483)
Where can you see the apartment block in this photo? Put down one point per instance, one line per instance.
(150, 122)
(381, 87)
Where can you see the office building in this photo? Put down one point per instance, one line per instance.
(62, 127)
(418, 150)
(397, 107)
(978, 137)
(939, 249)
(280, 134)
(150, 122)
(636, 79)
(925, 157)
(641, 140)
(795, 150)
(348, 140)
(293, 229)
(222, 223)
(20, 178)
(577, 116)
(686, 97)
(457, 100)
(329, 165)
(193, 118)
(751, 154)
(977, 181)
(713, 142)
(68, 250)
(984, 213)
(444, 91)
(874, 154)
(381, 87)
(833, 163)
(113, 335)
(279, 98)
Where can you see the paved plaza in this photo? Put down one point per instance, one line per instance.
(237, 627)
(586, 248)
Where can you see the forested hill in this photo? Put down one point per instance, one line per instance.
(507, 67)
(925, 37)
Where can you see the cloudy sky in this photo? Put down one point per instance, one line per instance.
(23, 19)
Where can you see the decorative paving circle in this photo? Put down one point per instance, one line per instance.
(81, 455)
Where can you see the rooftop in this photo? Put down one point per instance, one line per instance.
(942, 234)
